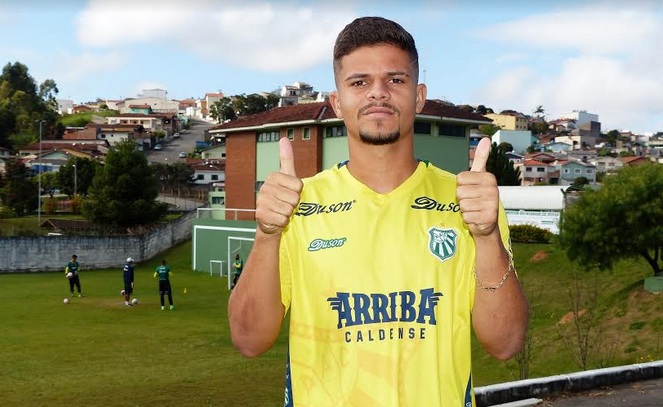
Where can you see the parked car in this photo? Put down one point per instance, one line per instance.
(157, 147)
(176, 135)
(183, 154)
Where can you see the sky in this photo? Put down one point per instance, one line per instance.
(601, 56)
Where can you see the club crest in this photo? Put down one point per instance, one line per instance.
(442, 243)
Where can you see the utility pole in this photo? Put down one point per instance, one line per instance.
(39, 179)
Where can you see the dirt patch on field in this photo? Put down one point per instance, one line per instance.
(570, 316)
(539, 256)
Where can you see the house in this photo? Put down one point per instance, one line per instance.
(155, 122)
(509, 120)
(215, 152)
(533, 172)
(607, 164)
(633, 161)
(520, 140)
(209, 172)
(319, 141)
(569, 170)
(81, 109)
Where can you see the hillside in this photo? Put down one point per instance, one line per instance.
(623, 325)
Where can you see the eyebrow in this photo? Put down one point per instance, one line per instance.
(365, 75)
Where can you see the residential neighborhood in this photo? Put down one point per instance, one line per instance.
(230, 158)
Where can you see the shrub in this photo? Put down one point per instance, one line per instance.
(529, 234)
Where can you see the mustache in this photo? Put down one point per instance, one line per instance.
(386, 105)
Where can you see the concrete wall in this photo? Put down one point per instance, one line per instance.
(51, 253)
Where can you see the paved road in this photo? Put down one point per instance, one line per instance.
(186, 142)
(647, 393)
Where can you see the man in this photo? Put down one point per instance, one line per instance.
(128, 276)
(238, 265)
(74, 279)
(163, 272)
(430, 252)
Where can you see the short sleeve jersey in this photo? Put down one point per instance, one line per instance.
(72, 267)
(163, 271)
(380, 289)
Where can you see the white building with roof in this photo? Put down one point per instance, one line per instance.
(539, 205)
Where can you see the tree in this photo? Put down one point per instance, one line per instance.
(539, 112)
(254, 103)
(23, 106)
(124, 190)
(79, 179)
(620, 220)
(613, 137)
(222, 110)
(499, 165)
(18, 191)
(489, 129)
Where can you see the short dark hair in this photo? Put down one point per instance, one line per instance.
(369, 31)
(73, 256)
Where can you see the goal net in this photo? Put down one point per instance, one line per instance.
(237, 246)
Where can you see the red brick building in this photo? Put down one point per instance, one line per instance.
(319, 140)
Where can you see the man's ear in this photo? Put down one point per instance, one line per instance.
(335, 103)
(421, 97)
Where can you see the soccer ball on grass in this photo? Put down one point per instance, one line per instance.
(134, 301)
(66, 300)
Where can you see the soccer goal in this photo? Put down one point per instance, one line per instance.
(237, 245)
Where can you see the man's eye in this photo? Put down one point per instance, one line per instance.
(396, 80)
(358, 83)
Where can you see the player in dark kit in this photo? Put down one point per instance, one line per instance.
(73, 267)
(163, 272)
(128, 274)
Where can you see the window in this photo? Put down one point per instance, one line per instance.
(214, 177)
(291, 134)
(306, 135)
(336, 131)
(589, 171)
(268, 136)
(218, 200)
(540, 169)
(451, 130)
(577, 171)
(423, 128)
(528, 169)
(200, 177)
(566, 171)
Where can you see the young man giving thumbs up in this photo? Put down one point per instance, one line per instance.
(384, 262)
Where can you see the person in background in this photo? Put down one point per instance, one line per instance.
(163, 272)
(238, 265)
(384, 291)
(74, 279)
(128, 276)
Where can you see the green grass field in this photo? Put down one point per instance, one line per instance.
(96, 352)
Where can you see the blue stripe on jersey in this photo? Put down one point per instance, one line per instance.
(288, 402)
(468, 392)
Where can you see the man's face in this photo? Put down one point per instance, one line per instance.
(377, 95)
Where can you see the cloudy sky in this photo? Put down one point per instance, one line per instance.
(602, 56)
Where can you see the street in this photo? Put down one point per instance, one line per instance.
(185, 143)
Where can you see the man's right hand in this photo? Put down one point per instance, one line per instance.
(280, 193)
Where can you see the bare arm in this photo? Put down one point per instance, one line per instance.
(501, 311)
(255, 310)
(500, 316)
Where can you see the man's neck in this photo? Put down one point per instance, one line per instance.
(381, 168)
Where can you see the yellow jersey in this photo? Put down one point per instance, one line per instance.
(380, 289)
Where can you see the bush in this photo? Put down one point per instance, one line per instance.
(529, 234)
